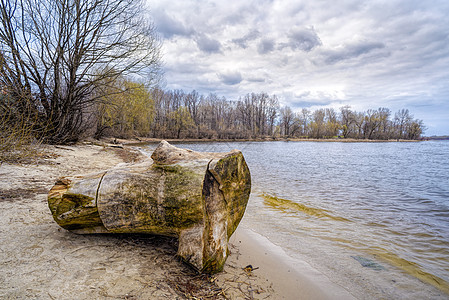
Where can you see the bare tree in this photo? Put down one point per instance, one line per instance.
(359, 121)
(56, 52)
(401, 119)
(415, 129)
(272, 113)
(287, 119)
(332, 125)
(371, 123)
(318, 123)
(385, 123)
(305, 119)
(346, 120)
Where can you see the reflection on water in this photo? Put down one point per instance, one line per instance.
(390, 200)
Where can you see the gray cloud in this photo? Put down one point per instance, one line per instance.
(302, 39)
(186, 67)
(169, 26)
(256, 79)
(265, 46)
(230, 77)
(308, 104)
(208, 45)
(306, 99)
(351, 51)
(243, 41)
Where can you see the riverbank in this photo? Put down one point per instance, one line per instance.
(41, 260)
(144, 140)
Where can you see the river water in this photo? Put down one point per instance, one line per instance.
(385, 204)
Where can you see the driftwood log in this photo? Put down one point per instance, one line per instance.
(198, 197)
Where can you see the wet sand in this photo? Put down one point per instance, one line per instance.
(280, 275)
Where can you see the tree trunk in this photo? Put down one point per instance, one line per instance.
(198, 197)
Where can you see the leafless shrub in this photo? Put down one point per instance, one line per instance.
(17, 136)
(57, 57)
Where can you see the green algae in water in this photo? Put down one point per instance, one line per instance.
(283, 204)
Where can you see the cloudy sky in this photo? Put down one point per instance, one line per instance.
(312, 53)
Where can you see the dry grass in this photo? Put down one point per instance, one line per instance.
(17, 139)
(195, 286)
(16, 147)
(30, 153)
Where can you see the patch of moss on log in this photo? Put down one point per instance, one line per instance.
(215, 263)
(162, 199)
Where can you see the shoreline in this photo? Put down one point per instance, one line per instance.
(143, 140)
(41, 260)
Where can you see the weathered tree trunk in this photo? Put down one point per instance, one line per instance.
(198, 197)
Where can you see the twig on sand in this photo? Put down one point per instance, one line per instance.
(64, 148)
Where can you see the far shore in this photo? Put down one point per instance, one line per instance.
(140, 140)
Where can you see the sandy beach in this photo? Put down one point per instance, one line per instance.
(40, 260)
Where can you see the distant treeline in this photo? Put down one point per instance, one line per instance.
(177, 114)
(438, 138)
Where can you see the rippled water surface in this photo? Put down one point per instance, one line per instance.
(386, 199)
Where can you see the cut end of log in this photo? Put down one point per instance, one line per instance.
(73, 209)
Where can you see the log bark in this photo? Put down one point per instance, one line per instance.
(198, 197)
